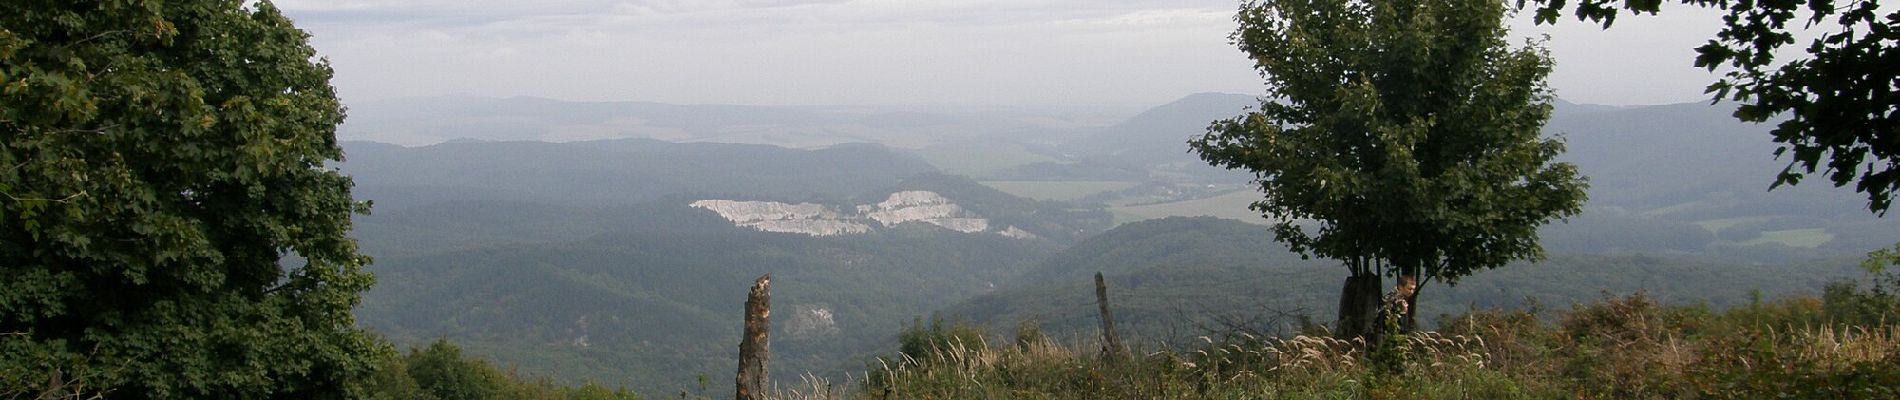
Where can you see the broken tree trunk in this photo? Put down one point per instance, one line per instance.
(1359, 306)
(755, 346)
(1110, 345)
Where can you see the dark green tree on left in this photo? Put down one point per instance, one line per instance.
(168, 227)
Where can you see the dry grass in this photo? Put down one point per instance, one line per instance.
(1621, 347)
(1839, 348)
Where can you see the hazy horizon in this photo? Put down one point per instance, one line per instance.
(960, 53)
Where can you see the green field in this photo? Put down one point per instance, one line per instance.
(1804, 238)
(1232, 205)
(1057, 190)
(1717, 225)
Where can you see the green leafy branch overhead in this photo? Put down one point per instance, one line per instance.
(1836, 108)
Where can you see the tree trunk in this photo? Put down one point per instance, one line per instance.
(1359, 305)
(755, 346)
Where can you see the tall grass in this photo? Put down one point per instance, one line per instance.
(1626, 347)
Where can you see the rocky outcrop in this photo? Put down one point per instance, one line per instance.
(821, 220)
(924, 206)
(811, 320)
(772, 216)
(1017, 233)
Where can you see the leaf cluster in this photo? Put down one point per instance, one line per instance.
(159, 161)
(1834, 106)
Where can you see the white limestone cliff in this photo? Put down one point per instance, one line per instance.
(820, 220)
(772, 216)
(924, 206)
(1016, 233)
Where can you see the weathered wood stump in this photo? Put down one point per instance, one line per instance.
(755, 345)
(1110, 344)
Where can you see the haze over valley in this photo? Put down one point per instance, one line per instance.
(948, 199)
(603, 255)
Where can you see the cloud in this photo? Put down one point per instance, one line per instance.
(1174, 16)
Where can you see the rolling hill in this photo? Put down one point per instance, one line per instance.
(434, 120)
(643, 293)
(586, 260)
(1173, 279)
(610, 172)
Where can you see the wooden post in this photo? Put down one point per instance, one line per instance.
(1110, 345)
(755, 346)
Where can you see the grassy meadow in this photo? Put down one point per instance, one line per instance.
(1842, 344)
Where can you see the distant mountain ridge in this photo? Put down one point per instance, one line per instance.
(433, 120)
(1155, 135)
(1151, 145)
(585, 257)
(1173, 279)
(619, 171)
(1677, 178)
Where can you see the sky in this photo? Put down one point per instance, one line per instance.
(1116, 53)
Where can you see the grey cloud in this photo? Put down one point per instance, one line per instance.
(1124, 52)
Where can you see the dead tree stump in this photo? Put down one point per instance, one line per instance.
(1110, 345)
(755, 346)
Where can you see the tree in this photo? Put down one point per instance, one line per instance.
(170, 228)
(1406, 132)
(1841, 102)
(442, 372)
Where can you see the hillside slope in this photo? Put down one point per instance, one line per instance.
(611, 172)
(1171, 278)
(654, 308)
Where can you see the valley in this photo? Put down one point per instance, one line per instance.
(619, 260)
(849, 199)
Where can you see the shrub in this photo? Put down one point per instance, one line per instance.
(922, 341)
(1849, 303)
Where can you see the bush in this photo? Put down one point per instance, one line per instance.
(930, 341)
(441, 372)
(1848, 303)
(1806, 363)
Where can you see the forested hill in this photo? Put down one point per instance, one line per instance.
(655, 309)
(587, 260)
(1157, 135)
(623, 171)
(1689, 179)
(431, 120)
(1677, 179)
(625, 285)
(1169, 279)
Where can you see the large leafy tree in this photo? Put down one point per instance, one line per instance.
(168, 228)
(1401, 137)
(1838, 105)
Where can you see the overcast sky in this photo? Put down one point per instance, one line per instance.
(1123, 53)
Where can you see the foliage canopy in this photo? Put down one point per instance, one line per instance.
(162, 162)
(1409, 131)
